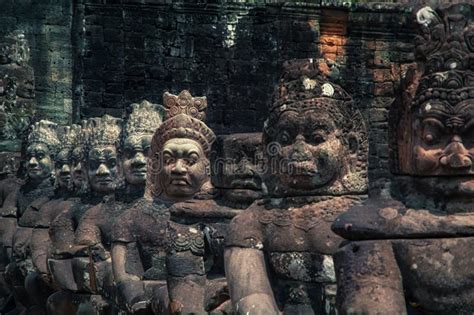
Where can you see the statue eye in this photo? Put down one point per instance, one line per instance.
(168, 159)
(94, 164)
(111, 162)
(284, 138)
(40, 156)
(146, 151)
(318, 138)
(429, 138)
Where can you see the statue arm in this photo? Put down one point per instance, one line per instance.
(369, 280)
(247, 277)
(119, 254)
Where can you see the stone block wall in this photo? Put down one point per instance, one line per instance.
(47, 27)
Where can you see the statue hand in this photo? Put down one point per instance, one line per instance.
(257, 304)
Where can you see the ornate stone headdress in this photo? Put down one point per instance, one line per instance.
(69, 136)
(184, 115)
(443, 76)
(144, 118)
(105, 130)
(303, 87)
(45, 132)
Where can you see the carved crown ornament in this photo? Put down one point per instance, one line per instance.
(69, 136)
(144, 118)
(105, 130)
(45, 132)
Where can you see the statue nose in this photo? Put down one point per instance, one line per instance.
(33, 161)
(102, 170)
(139, 160)
(179, 168)
(65, 169)
(456, 155)
(300, 152)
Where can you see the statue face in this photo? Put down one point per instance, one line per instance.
(183, 168)
(102, 169)
(136, 150)
(63, 168)
(309, 151)
(444, 140)
(238, 173)
(77, 167)
(39, 163)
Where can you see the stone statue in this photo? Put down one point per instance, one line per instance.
(410, 247)
(177, 171)
(62, 232)
(24, 204)
(144, 119)
(91, 265)
(38, 281)
(278, 255)
(236, 178)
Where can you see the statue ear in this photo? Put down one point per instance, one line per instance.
(353, 143)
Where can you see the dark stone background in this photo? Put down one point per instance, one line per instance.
(93, 57)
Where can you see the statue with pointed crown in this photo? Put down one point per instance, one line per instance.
(411, 248)
(142, 122)
(38, 282)
(177, 171)
(91, 264)
(315, 151)
(20, 209)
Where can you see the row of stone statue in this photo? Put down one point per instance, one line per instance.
(155, 215)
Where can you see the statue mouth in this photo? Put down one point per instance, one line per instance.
(105, 181)
(304, 168)
(139, 172)
(245, 183)
(179, 182)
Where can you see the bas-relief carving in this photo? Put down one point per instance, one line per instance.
(410, 250)
(315, 148)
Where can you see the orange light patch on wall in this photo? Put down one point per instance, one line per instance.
(333, 36)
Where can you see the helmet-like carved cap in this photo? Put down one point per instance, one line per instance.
(44, 132)
(145, 118)
(105, 130)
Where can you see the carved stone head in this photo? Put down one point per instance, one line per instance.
(102, 154)
(78, 162)
(236, 166)
(41, 150)
(180, 149)
(144, 119)
(433, 120)
(314, 139)
(63, 161)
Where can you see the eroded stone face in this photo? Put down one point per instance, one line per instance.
(237, 167)
(63, 168)
(78, 174)
(444, 139)
(39, 163)
(103, 169)
(311, 151)
(135, 151)
(184, 168)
